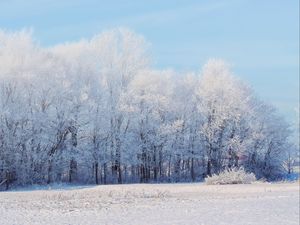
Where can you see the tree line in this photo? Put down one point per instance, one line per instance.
(94, 111)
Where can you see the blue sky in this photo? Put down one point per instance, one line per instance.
(259, 38)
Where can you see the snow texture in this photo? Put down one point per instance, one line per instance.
(259, 203)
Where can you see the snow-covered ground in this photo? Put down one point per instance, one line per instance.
(154, 204)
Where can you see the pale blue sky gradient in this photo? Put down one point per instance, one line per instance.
(259, 38)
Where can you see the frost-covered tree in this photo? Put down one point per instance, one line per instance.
(223, 107)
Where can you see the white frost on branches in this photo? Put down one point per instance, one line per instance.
(94, 111)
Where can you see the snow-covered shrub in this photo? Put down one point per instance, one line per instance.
(231, 176)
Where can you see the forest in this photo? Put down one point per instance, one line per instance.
(96, 111)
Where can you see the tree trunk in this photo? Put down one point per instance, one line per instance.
(104, 173)
(7, 177)
(49, 171)
(119, 174)
(192, 170)
(96, 173)
(208, 170)
(155, 165)
(169, 169)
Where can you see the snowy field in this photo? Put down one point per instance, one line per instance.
(153, 204)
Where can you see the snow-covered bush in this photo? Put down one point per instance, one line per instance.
(231, 176)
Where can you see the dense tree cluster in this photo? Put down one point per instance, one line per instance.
(94, 111)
